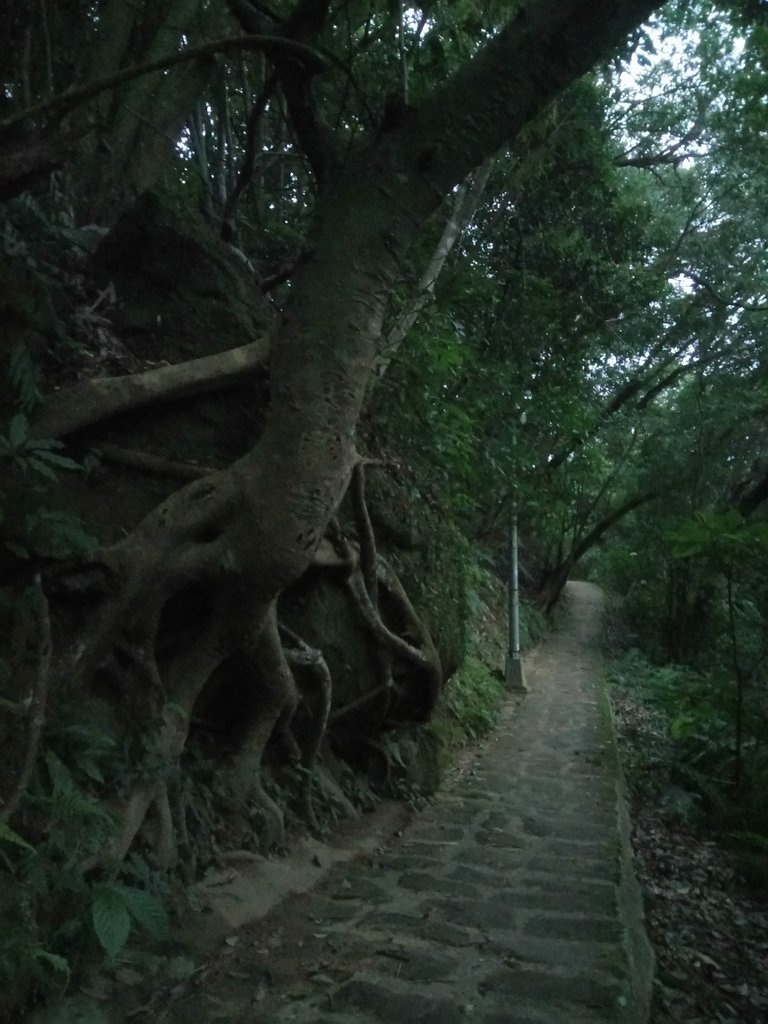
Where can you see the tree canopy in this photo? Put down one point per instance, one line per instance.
(280, 284)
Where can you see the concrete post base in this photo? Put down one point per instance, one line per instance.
(514, 676)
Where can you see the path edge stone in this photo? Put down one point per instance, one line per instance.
(639, 951)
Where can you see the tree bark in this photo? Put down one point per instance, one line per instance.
(74, 408)
(250, 530)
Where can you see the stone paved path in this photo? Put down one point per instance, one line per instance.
(509, 900)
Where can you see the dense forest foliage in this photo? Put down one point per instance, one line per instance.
(297, 301)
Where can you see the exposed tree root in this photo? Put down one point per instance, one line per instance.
(165, 848)
(184, 678)
(359, 703)
(195, 551)
(327, 787)
(365, 535)
(178, 796)
(131, 817)
(180, 543)
(278, 698)
(301, 654)
(366, 573)
(155, 464)
(201, 538)
(368, 559)
(429, 657)
(380, 749)
(91, 401)
(424, 658)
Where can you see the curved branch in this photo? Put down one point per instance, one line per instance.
(364, 701)
(147, 463)
(82, 405)
(365, 534)
(541, 49)
(721, 300)
(72, 98)
(675, 153)
(314, 136)
(301, 654)
(466, 202)
(610, 519)
(434, 670)
(245, 174)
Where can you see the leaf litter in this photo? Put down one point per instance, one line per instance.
(708, 926)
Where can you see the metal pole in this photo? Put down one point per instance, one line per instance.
(515, 591)
(514, 675)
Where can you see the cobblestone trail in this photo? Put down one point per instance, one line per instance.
(509, 900)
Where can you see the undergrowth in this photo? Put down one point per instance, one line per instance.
(54, 905)
(680, 752)
(474, 699)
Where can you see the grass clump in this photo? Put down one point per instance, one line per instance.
(473, 699)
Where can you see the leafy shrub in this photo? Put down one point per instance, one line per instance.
(60, 898)
(52, 905)
(32, 454)
(691, 753)
(474, 698)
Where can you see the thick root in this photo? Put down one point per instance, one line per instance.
(301, 654)
(73, 409)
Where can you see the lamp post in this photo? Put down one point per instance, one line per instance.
(514, 674)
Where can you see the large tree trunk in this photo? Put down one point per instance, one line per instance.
(247, 532)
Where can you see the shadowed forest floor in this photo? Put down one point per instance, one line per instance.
(709, 927)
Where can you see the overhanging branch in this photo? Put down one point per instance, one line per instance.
(74, 97)
(313, 135)
(82, 405)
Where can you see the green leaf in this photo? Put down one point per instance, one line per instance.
(17, 549)
(41, 468)
(18, 431)
(58, 963)
(62, 461)
(111, 920)
(23, 379)
(60, 530)
(47, 443)
(61, 777)
(752, 839)
(91, 769)
(7, 833)
(147, 910)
